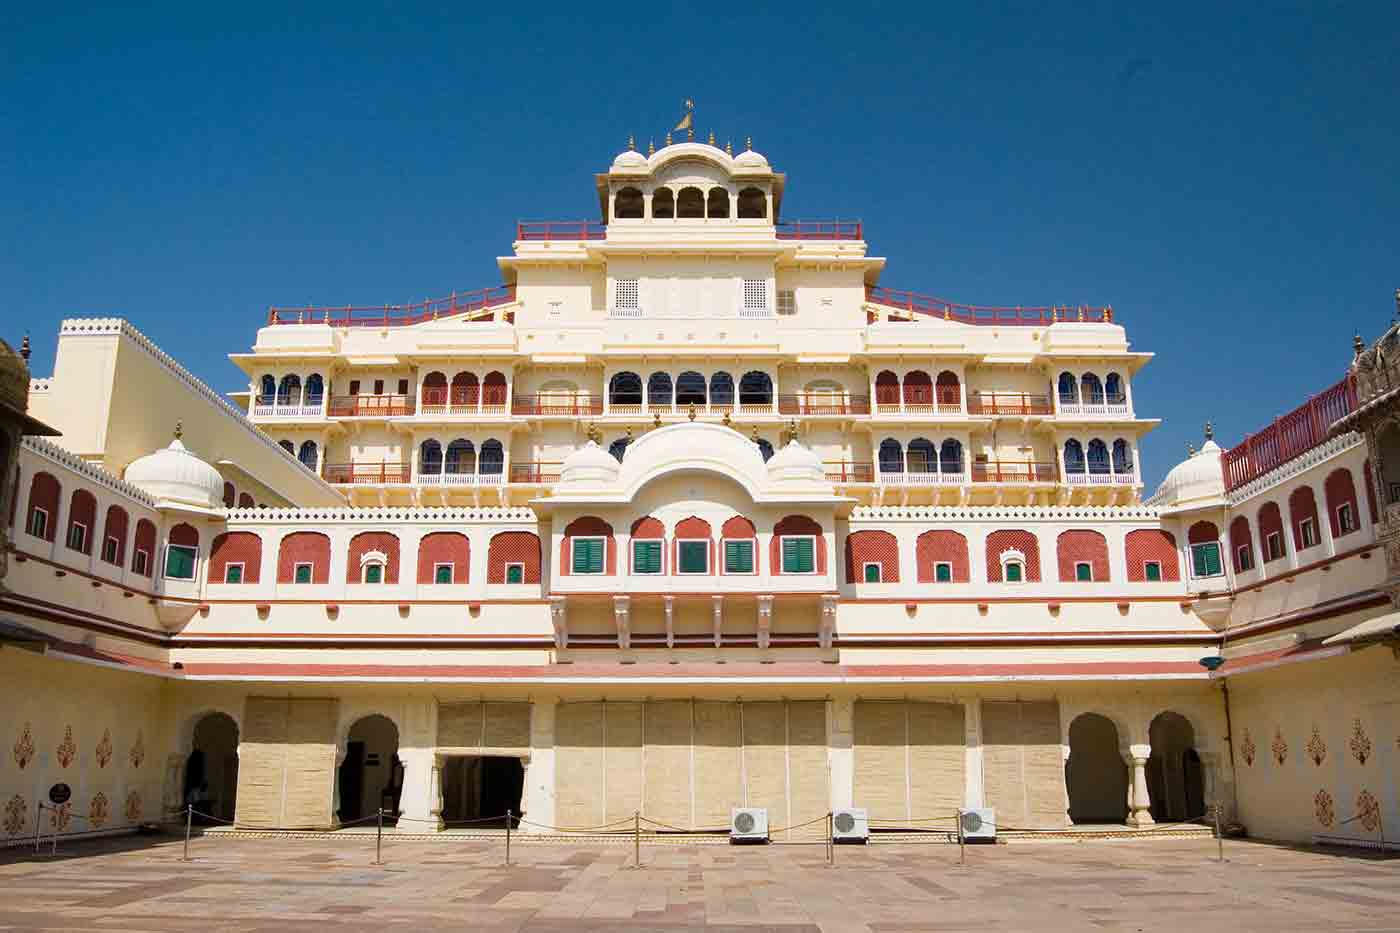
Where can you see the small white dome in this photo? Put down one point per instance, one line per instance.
(795, 462)
(629, 159)
(750, 159)
(177, 476)
(589, 465)
(1197, 480)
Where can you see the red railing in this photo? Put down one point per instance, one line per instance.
(1013, 471)
(822, 404)
(536, 473)
(556, 405)
(396, 315)
(849, 471)
(978, 314)
(370, 406)
(438, 398)
(1008, 403)
(535, 230)
(1295, 433)
(354, 474)
(819, 230)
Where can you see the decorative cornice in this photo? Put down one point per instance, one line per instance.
(1286, 471)
(72, 462)
(996, 513)
(379, 514)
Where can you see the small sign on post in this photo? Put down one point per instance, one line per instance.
(60, 794)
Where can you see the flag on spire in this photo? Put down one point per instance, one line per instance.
(687, 121)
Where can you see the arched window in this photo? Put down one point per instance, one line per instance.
(1074, 456)
(41, 520)
(1082, 556)
(628, 204)
(625, 389)
(493, 458)
(950, 456)
(1151, 556)
(922, 458)
(753, 204)
(872, 556)
(887, 388)
(1302, 511)
(82, 520)
(493, 389)
(690, 204)
(1091, 390)
(619, 447)
(1013, 556)
(1113, 389)
(315, 389)
(373, 558)
(891, 456)
(1241, 544)
(245, 501)
(513, 557)
(918, 389)
(435, 389)
(659, 390)
(765, 449)
(288, 447)
(143, 547)
(948, 390)
(721, 389)
(464, 390)
(114, 536)
(663, 204)
(230, 495)
(182, 552)
(1122, 457)
(268, 392)
(1203, 538)
(1098, 456)
(307, 454)
(1069, 391)
(1270, 521)
(460, 459)
(717, 204)
(1341, 502)
(756, 388)
(289, 391)
(235, 557)
(430, 457)
(444, 557)
(690, 389)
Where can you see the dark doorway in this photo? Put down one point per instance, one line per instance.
(211, 770)
(478, 791)
(371, 776)
(1095, 774)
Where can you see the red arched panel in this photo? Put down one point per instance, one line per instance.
(1146, 545)
(796, 525)
(444, 547)
(872, 547)
(1012, 539)
(366, 542)
(1080, 546)
(304, 547)
(236, 547)
(942, 547)
(513, 547)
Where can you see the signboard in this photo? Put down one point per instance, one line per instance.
(59, 794)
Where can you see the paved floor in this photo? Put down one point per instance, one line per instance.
(277, 885)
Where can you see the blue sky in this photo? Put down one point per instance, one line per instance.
(1224, 176)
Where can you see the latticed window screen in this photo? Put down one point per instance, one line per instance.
(798, 555)
(755, 294)
(694, 556)
(588, 555)
(627, 294)
(646, 556)
(787, 301)
(738, 557)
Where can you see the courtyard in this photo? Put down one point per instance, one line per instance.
(278, 884)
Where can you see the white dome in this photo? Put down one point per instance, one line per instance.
(750, 159)
(629, 159)
(589, 465)
(177, 476)
(1197, 480)
(795, 462)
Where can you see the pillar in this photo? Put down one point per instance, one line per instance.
(841, 757)
(1139, 801)
(421, 801)
(538, 798)
(973, 794)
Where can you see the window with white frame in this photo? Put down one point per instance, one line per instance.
(626, 295)
(588, 554)
(1307, 530)
(693, 557)
(38, 521)
(140, 561)
(1152, 571)
(942, 572)
(109, 549)
(301, 573)
(442, 573)
(738, 555)
(646, 555)
(799, 553)
(180, 561)
(1244, 557)
(372, 572)
(1346, 518)
(233, 573)
(1013, 567)
(1084, 572)
(787, 301)
(515, 573)
(1205, 559)
(77, 536)
(872, 571)
(1273, 545)
(755, 294)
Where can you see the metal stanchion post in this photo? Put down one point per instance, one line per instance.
(637, 837)
(379, 836)
(830, 841)
(1219, 837)
(508, 815)
(189, 820)
(962, 842)
(38, 815)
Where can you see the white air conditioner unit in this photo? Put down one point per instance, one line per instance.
(978, 824)
(850, 825)
(748, 824)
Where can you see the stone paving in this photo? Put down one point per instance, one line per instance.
(277, 885)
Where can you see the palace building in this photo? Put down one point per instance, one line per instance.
(691, 513)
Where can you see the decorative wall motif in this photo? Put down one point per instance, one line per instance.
(100, 810)
(60, 816)
(1279, 747)
(16, 815)
(1316, 747)
(24, 747)
(104, 749)
(67, 749)
(1368, 810)
(1323, 809)
(1359, 743)
(132, 810)
(138, 751)
(1247, 748)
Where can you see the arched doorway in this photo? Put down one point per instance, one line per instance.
(1095, 774)
(211, 769)
(371, 776)
(1174, 778)
(481, 787)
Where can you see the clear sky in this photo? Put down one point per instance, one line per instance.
(1224, 176)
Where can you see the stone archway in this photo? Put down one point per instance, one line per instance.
(1095, 773)
(370, 776)
(1175, 778)
(210, 780)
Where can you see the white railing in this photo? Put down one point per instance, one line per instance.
(460, 479)
(626, 312)
(287, 411)
(1102, 408)
(755, 312)
(916, 478)
(1101, 479)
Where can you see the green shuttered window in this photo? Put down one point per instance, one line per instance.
(588, 555)
(693, 556)
(1205, 559)
(799, 555)
(646, 556)
(738, 556)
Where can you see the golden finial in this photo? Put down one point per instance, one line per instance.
(656, 420)
(1210, 431)
(753, 435)
(729, 147)
(789, 432)
(24, 348)
(651, 147)
(712, 137)
(691, 414)
(1190, 449)
(668, 139)
(725, 420)
(179, 430)
(631, 143)
(748, 143)
(629, 435)
(594, 434)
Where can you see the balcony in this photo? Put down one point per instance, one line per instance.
(1101, 478)
(459, 478)
(819, 403)
(1014, 472)
(535, 472)
(918, 400)
(922, 477)
(1009, 403)
(1297, 432)
(371, 406)
(278, 407)
(566, 405)
(366, 474)
(1096, 407)
(472, 303)
(849, 471)
(535, 231)
(464, 401)
(819, 230)
(932, 307)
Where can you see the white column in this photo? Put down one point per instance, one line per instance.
(841, 759)
(538, 800)
(1139, 802)
(1324, 519)
(973, 795)
(421, 800)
